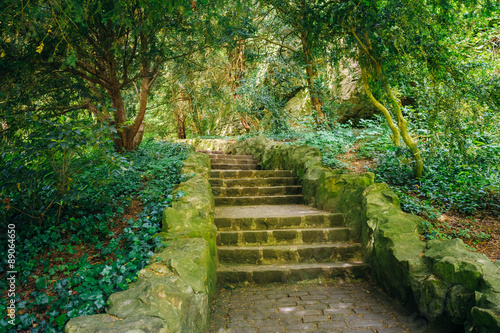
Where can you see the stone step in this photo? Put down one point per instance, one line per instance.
(274, 217)
(231, 161)
(250, 182)
(263, 255)
(262, 274)
(211, 152)
(223, 157)
(260, 200)
(253, 191)
(283, 236)
(223, 166)
(250, 173)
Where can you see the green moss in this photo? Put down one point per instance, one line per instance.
(432, 298)
(485, 321)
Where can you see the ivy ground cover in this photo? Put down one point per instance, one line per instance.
(68, 263)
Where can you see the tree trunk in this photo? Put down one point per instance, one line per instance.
(311, 74)
(181, 119)
(237, 66)
(402, 125)
(181, 126)
(120, 118)
(401, 131)
(198, 129)
(130, 136)
(138, 136)
(396, 135)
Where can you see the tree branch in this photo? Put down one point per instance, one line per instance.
(276, 43)
(88, 77)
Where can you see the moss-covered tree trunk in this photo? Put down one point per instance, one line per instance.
(401, 131)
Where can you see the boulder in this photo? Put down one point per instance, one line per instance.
(352, 102)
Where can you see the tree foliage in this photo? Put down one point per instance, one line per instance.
(106, 49)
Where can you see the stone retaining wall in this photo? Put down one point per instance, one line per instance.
(173, 293)
(441, 279)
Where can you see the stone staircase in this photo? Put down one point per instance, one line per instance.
(267, 234)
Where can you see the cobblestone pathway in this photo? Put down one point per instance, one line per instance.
(346, 308)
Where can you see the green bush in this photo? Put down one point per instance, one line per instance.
(104, 185)
(451, 180)
(331, 144)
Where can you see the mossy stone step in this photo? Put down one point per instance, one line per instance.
(223, 166)
(250, 182)
(253, 191)
(283, 236)
(272, 254)
(261, 274)
(266, 223)
(219, 157)
(260, 200)
(211, 152)
(274, 217)
(232, 161)
(249, 173)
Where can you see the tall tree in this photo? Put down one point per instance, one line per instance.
(300, 16)
(112, 47)
(398, 43)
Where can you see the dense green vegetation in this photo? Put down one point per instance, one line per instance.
(88, 91)
(465, 181)
(72, 255)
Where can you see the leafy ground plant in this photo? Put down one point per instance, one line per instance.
(71, 264)
(458, 194)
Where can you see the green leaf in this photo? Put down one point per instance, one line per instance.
(41, 299)
(41, 283)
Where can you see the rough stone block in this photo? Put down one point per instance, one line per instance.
(105, 323)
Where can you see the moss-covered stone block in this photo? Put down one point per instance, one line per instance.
(190, 259)
(460, 271)
(433, 292)
(488, 299)
(458, 304)
(454, 263)
(491, 281)
(380, 201)
(484, 320)
(163, 296)
(397, 223)
(109, 324)
(192, 212)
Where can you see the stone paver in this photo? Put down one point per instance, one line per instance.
(343, 308)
